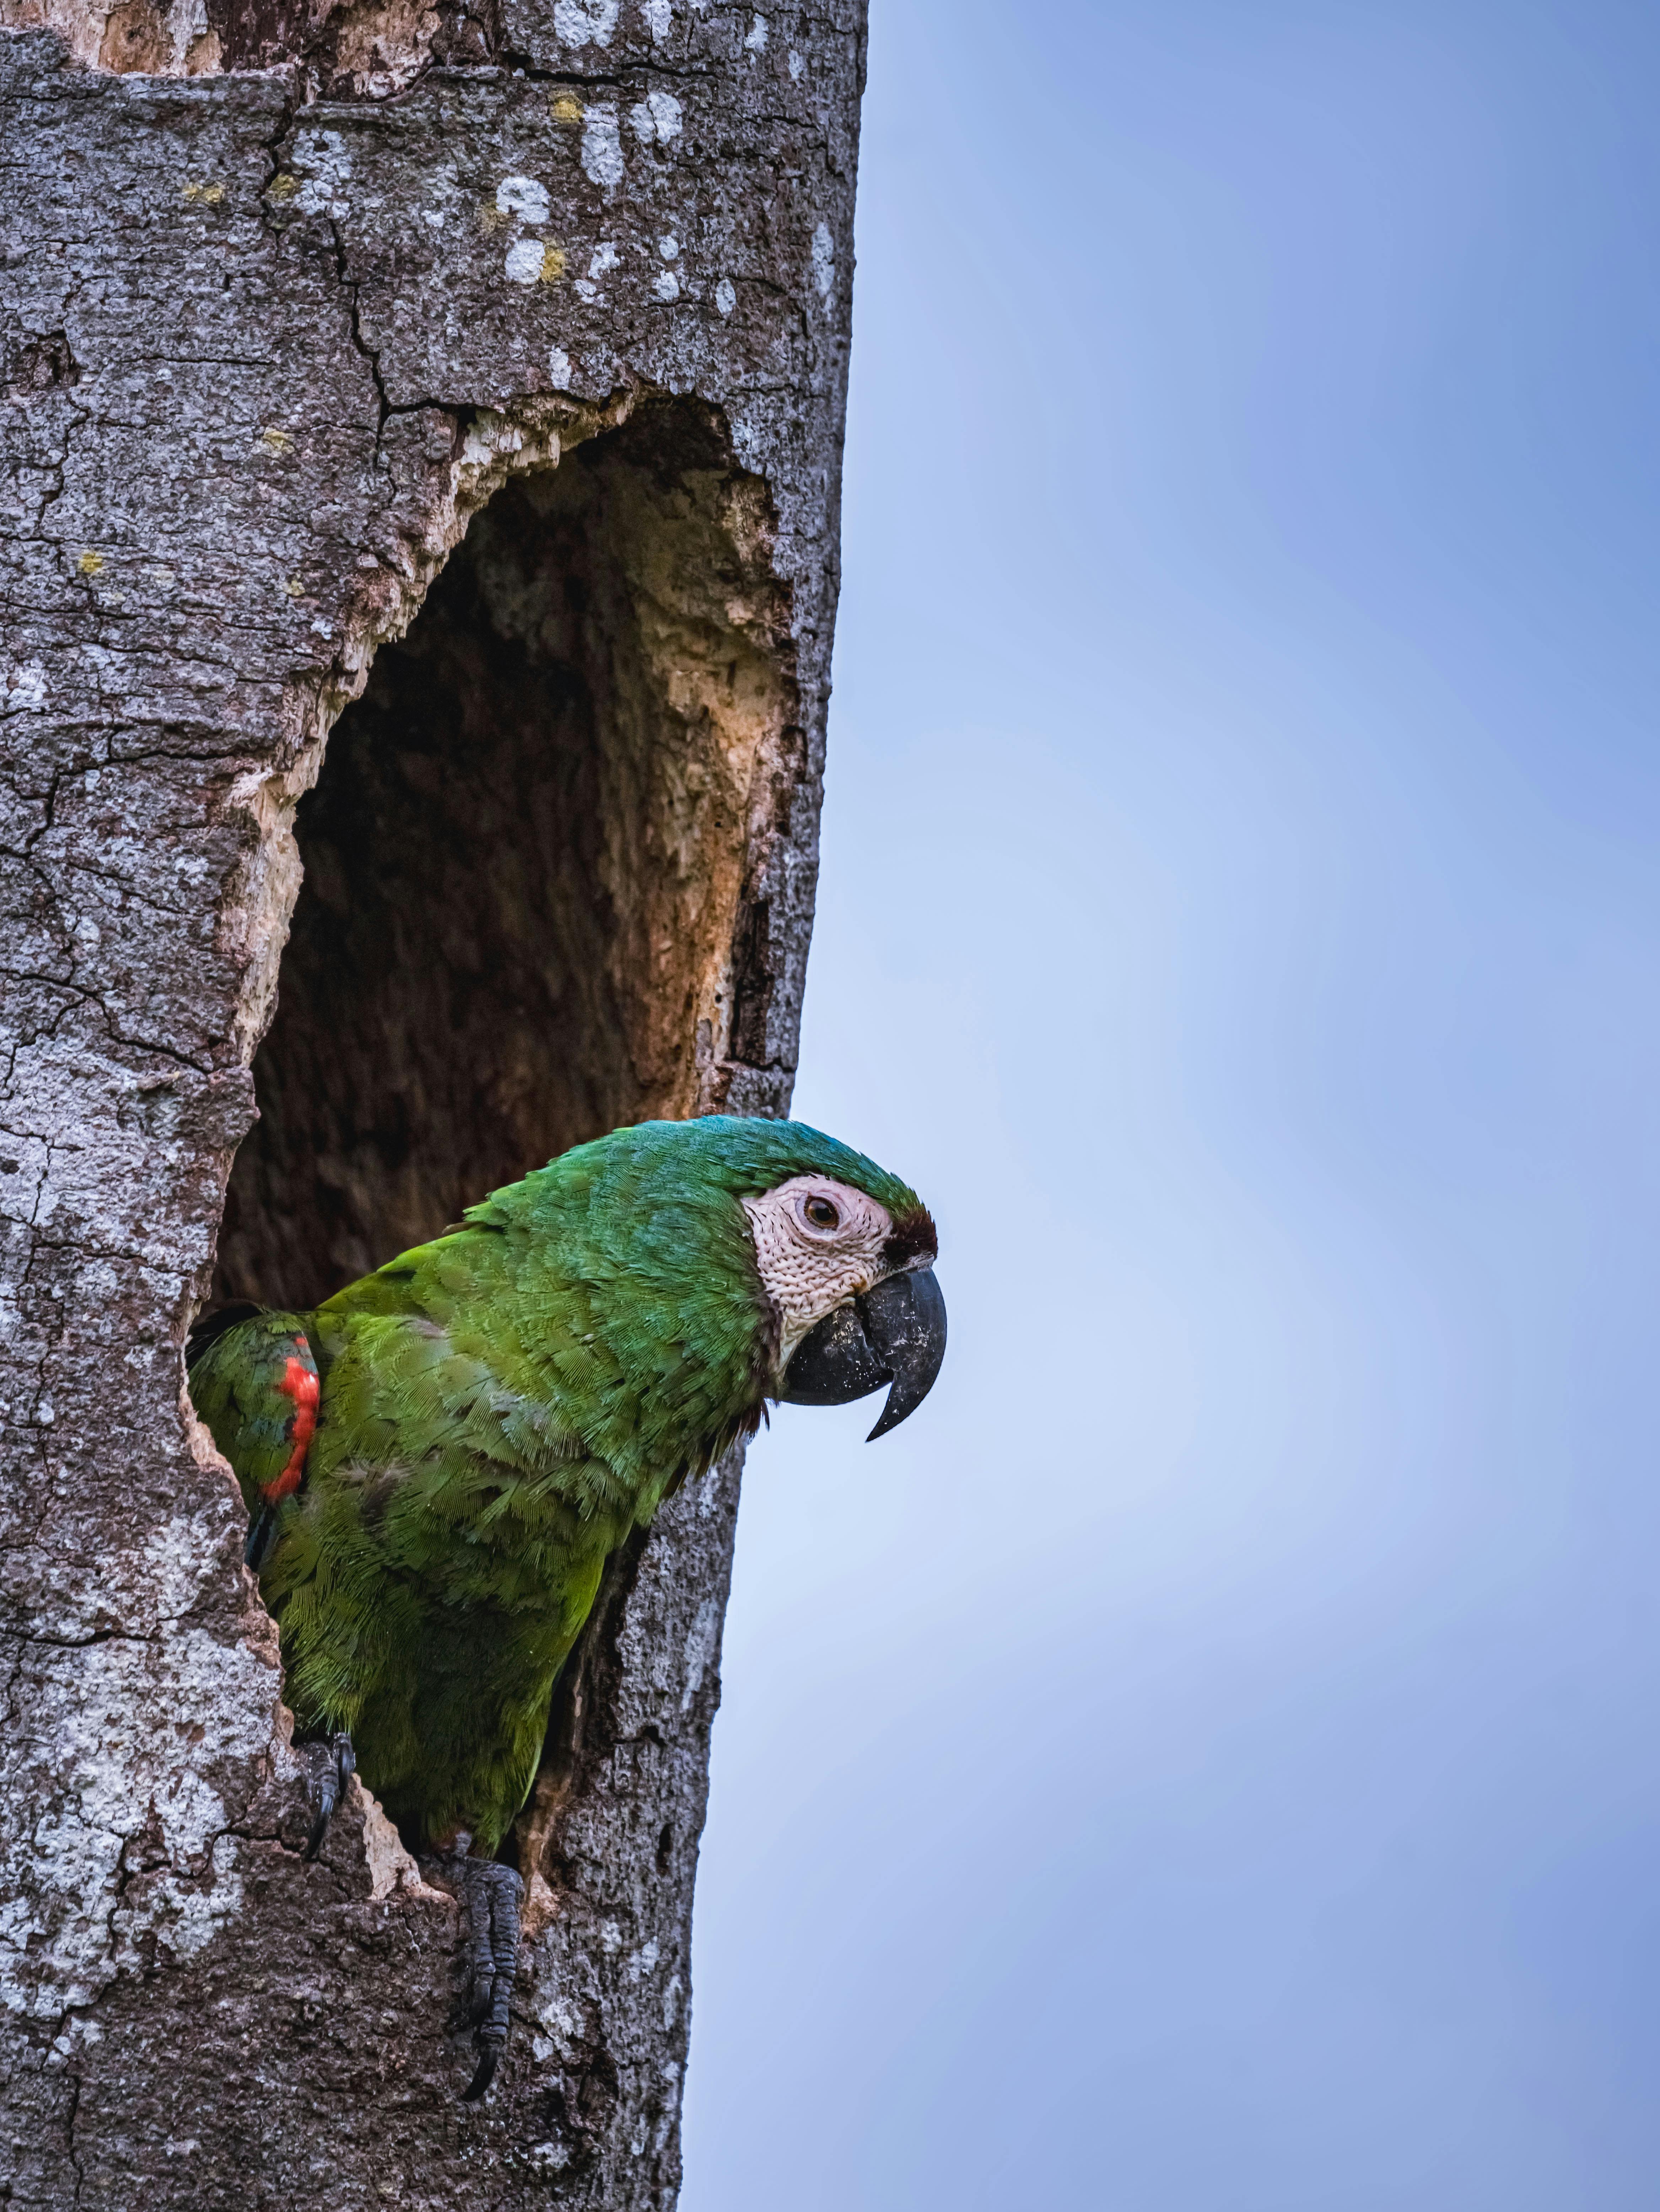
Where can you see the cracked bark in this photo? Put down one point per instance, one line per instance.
(419, 449)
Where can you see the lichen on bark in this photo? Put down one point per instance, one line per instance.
(564, 286)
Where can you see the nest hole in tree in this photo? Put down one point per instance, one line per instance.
(528, 861)
(528, 909)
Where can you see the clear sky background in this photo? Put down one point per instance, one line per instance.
(1207, 1760)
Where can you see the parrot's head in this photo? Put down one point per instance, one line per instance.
(849, 1276)
(844, 1253)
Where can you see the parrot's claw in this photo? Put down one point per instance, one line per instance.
(493, 1894)
(332, 1762)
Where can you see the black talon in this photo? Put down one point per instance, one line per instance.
(332, 1762)
(493, 1894)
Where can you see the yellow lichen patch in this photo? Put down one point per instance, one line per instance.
(209, 195)
(282, 186)
(553, 263)
(90, 563)
(566, 108)
(293, 587)
(490, 217)
(278, 441)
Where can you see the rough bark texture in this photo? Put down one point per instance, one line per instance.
(556, 293)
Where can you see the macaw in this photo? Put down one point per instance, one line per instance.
(439, 1460)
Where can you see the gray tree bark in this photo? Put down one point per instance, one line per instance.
(419, 435)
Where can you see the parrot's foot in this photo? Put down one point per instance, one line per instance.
(493, 1894)
(332, 1761)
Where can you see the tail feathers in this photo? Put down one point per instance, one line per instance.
(261, 1529)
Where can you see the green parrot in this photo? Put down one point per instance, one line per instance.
(439, 1462)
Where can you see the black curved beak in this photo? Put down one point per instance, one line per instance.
(894, 1333)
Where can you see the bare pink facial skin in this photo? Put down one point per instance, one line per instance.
(818, 1242)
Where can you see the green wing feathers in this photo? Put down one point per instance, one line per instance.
(256, 1386)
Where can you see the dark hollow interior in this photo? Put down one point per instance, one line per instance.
(481, 969)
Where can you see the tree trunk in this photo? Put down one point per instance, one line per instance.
(421, 436)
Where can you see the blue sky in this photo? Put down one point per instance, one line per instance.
(1206, 1760)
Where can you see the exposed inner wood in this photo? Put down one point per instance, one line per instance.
(351, 49)
(524, 858)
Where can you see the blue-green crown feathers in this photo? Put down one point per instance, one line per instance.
(726, 1152)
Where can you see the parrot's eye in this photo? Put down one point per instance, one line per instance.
(822, 1213)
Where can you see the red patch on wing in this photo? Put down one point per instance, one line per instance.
(298, 1383)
